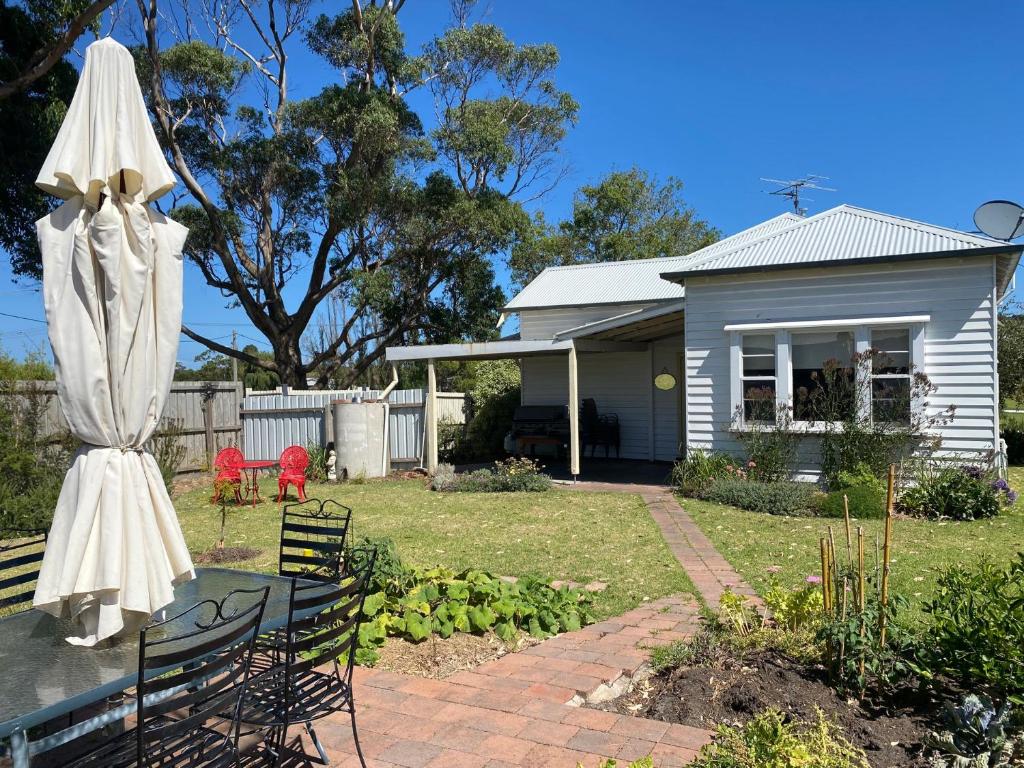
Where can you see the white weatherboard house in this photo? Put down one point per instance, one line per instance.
(761, 308)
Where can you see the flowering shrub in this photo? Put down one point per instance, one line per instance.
(510, 475)
(956, 493)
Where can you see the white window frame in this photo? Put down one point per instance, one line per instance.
(908, 376)
(741, 379)
(782, 330)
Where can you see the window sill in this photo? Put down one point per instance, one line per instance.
(807, 429)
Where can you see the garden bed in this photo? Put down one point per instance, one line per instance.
(438, 658)
(739, 686)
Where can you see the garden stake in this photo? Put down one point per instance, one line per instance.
(826, 598)
(861, 597)
(886, 551)
(842, 639)
(846, 518)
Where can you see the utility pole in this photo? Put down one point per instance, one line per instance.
(234, 360)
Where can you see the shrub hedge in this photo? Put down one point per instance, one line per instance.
(781, 498)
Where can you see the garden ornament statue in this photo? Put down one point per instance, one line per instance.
(332, 464)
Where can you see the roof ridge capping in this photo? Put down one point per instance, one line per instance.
(656, 259)
(970, 241)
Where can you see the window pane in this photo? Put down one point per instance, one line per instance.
(824, 386)
(759, 401)
(890, 400)
(759, 355)
(892, 350)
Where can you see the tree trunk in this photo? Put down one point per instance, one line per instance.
(290, 370)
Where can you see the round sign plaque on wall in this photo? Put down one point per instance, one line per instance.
(665, 381)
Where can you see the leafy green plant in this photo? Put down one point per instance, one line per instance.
(866, 502)
(33, 461)
(857, 476)
(168, 447)
(859, 637)
(955, 493)
(770, 444)
(643, 762)
(975, 628)
(773, 740)
(975, 735)
(779, 498)
(794, 608)
(316, 472)
(415, 603)
(692, 476)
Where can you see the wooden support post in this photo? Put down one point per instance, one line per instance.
(211, 442)
(431, 418)
(574, 414)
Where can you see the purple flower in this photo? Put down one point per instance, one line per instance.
(1011, 497)
(1001, 485)
(813, 579)
(972, 471)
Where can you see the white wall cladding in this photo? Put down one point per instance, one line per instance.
(621, 383)
(960, 347)
(667, 432)
(545, 323)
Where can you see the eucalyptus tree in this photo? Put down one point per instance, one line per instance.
(626, 215)
(345, 193)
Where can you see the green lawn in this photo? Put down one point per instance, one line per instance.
(559, 534)
(921, 548)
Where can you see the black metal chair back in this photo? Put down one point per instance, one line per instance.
(200, 671)
(323, 622)
(21, 552)
(313, 537)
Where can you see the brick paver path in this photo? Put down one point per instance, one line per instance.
(523, 709)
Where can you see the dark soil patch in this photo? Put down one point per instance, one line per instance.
(226, 555)
(735, 691)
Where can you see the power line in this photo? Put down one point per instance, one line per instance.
(22, 317)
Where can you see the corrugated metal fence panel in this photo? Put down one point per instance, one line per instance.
(272, 422)
(405, 425)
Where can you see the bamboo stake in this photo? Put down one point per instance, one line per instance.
(849, 540)
(826, 595)
(842, 638)
(831, 549)
(860, 595)
(886, 552)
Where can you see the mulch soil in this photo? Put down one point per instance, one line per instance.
(440, 658)
(226, 555)
(732, 692)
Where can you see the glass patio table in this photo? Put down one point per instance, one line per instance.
(43, 677)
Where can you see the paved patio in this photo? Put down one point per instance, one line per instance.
(524, 709)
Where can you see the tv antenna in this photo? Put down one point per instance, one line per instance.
(791, 189)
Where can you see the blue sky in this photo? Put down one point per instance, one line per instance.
(911, 108)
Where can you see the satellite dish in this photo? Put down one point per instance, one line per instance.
(1000, 219)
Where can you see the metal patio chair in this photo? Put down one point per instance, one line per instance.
(21, 552)
(323, 629)
(313, 538)
(193, 667)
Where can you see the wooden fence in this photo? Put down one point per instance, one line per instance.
(206, 413)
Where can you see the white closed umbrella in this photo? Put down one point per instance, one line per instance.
(112, 288)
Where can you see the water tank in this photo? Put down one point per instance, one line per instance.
(361, 439)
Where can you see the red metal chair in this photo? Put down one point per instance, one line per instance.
(294, 461)
(227, 464)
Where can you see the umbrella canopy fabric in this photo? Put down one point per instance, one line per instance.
(112, 289)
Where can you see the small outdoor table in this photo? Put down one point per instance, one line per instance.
(251, 469)
(42, 676)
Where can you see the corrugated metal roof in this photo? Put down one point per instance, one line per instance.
(626, 282)
(841, 234)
